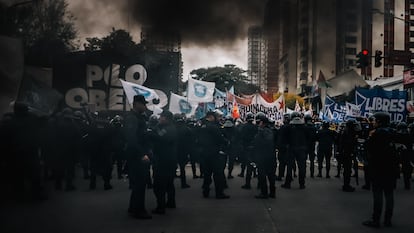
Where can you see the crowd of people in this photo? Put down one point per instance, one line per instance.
(148, 152)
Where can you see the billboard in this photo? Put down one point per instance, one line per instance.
(94, 77)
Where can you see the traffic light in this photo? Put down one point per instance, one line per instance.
(378, 58)
(363, 58)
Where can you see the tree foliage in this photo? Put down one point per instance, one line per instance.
(46, 28)
(226, 77)
(118, 42)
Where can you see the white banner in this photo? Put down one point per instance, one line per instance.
(132, 89)
(274, 111)
(179, 104)
(200, 91)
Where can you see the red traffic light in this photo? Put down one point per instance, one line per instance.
(365, 52)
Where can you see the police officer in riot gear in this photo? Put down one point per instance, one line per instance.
(138, 156)
(265, 157)
(282, 146)
(311, 143)
(248, 132)
(383, 169)
(325, 138)
(348, 141)
(404, 147)
(165, 162)
(183, 146)
(298, 141)
(211, 141)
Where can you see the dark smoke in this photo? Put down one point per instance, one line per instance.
(202, 22)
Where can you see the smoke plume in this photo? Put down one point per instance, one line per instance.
(200, 22)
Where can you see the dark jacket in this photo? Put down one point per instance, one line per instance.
(165, 147)
(382, 156)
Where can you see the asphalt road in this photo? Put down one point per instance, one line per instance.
(321, 207)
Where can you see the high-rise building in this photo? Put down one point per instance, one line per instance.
(257, 61)
(162, 42)
(271, 27)
(308, 36)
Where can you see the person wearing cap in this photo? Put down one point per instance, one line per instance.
(265, 157)
(165, 162)
(138, 156)
(384, 169)
(211, 141)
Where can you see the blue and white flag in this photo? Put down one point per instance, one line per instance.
(132, 89)
(379, 100)
(219, 98)
(200, 91)
(334, 111)
(180, 105)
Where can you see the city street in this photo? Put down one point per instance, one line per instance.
(321, 207)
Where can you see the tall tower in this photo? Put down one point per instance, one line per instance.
(271, 26)
(257, 61)
(169, 41)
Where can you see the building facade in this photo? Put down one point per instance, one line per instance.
(257, 57)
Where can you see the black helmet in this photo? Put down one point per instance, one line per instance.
(260, 116)
(116, 120)
(350, 122)
(249, 116)
(178, 117)
(295, 114)
(382, 118)
(167, 114)
(401, 126)
(307, 117)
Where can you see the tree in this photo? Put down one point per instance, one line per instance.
(226, 77)
(119, 43)
(46, 28)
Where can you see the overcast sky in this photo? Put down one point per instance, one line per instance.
(214, 34)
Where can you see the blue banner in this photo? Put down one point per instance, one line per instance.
(333, 111)
(379, 100)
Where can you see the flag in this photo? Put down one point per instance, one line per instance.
(353, 110)
(322, 81)
(219, 98)
(315, 89)
(239, 100)
(235, 113)
(180, 104)
(231, 90)
(200, 91)
(132, 89)
(297, 106)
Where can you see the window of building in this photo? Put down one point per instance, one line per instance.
(350, 51)
(352, 27)
(350, 39)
